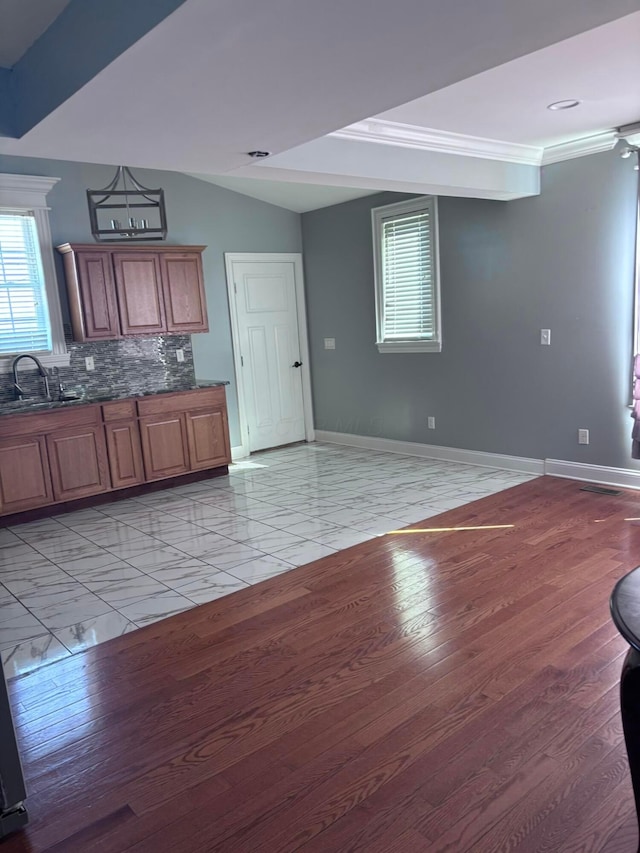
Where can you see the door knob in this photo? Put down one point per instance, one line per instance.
(297, 364)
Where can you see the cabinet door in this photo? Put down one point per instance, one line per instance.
(125, 454)
(208, 436)
(164, 445)
(98, 302)
(78, 461)
(183, 287)
(139, 288)
(24, 474)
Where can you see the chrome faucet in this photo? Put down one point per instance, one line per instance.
(18, 392)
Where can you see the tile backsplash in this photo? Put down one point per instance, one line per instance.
(126, 367)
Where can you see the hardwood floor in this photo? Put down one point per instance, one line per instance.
(428, 691)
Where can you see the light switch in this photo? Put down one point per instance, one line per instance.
(545, 337)
(329, 343)
(88, 363)
(179, 355)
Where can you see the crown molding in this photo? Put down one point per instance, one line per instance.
(630, 133)
(25, 191)
(580, 147)
(442, 141)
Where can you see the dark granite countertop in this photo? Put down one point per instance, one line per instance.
(35, 404)
(209, 383)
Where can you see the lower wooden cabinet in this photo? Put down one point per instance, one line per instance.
(78, 462)
(208, 438)
(125, 454)
(164, 446)
(69, 453)
(24, 474)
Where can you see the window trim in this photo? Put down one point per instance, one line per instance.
(378, 215)
(28, 193)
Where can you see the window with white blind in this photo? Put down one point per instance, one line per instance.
(405, 238)
(30, 317)
(24, 313)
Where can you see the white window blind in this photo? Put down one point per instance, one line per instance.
(406, 273)
(24, 316)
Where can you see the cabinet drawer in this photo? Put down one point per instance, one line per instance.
(119, 410)
(74, 416)
(49, 420)
(182, 401)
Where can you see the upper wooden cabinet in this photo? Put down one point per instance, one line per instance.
(183, 289)
(121, 290)
(139, 289)
(94, 308)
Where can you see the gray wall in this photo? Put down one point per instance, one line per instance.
(563, 261)
(198, 213)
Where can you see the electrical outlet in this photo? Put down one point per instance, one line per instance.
(89, 363)
(179, 355)
(545, 337)
(583, 436)
(329, 343)
(431, 423)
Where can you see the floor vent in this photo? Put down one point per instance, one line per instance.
(600, 490)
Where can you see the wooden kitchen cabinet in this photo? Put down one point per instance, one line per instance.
(92, 296)
(185, 431)
(24, 474)
(183, 289)
(124, 290)
(139, 289)
(123, 443)
(208, 438)
(164, 445)
(78, 462)
(125, 454)
(63, 454)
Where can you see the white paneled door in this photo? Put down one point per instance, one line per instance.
(270, 355)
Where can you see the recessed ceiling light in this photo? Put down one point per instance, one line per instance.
(563, 105)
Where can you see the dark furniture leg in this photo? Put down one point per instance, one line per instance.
(630, 707)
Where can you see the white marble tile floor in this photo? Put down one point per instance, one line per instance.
(79, 579)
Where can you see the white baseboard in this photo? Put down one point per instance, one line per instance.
(622, 477)
(434, 451)
(239, 452)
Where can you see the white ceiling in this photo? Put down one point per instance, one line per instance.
(24, 21)
(601, 68)
(298, 197)
(216, 80)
